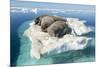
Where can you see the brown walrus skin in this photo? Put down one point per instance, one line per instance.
(45, 21)
(58, 29)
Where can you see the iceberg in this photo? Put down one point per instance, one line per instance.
(42, 43)
(24, 10)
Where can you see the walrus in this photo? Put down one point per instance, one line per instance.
(45, 21)
(59, 29)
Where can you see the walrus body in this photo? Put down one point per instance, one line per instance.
(45, 21)
(55, 26)
(58, 29)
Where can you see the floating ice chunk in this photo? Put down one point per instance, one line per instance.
(34, 10)
(42, 43)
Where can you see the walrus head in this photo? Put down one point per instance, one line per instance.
(38, 21)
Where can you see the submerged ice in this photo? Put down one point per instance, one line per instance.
(42, 43)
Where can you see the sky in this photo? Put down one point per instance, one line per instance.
(49, 5)
(89, 2)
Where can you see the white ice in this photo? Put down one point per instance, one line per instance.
(42, 43)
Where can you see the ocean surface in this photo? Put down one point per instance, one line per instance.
(22, 15)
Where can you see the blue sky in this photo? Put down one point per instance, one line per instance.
(91, 2)
(15, 3)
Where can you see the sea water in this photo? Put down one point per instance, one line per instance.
(21, 16)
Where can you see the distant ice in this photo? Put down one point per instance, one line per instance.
(35, 10)
(23, 10)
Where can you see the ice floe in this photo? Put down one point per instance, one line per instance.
(42, 43)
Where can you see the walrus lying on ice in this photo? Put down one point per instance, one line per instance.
(58, 29)
(45, 21)
(54, 25)
(42, 43)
